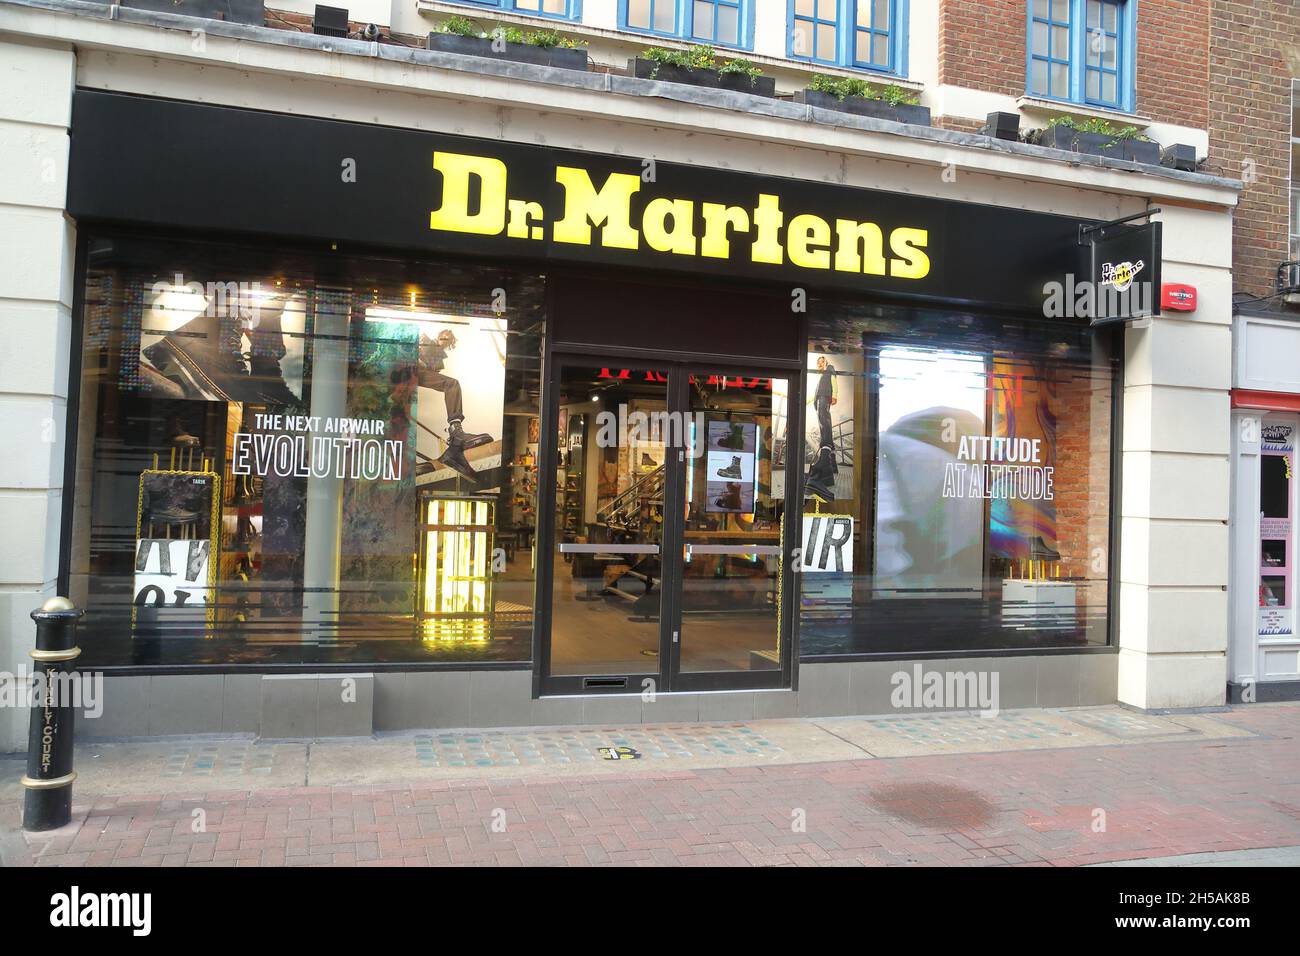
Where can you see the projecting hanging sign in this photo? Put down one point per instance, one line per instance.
(1124, 271)
(417, 190)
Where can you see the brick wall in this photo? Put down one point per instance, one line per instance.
(982, 46)
(1254, 54)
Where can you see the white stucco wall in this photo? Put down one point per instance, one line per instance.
(36, 263)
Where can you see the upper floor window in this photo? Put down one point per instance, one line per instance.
(715, 22)
(1082, 51)
(559, 9)
(867, 34)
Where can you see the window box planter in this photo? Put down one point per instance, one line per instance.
(565, 59)
(736, 82)
(862, 106)
(252, 12)
(1101, 144)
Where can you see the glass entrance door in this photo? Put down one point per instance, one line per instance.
(665, 489)
(731, 568)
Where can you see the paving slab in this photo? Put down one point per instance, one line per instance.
(530, 752)
(952, 733)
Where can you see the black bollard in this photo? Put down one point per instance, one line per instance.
(48, 781)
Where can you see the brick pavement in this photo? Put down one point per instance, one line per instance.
(1033, 807)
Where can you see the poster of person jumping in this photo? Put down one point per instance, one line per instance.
(461, 374)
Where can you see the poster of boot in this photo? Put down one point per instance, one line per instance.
(175, 547)
(461, 394)
(222, 341)
(828, 429)
(730, 461)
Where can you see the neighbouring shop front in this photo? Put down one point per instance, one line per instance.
(1264, 644)
(359, 398)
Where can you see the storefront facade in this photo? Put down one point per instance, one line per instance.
(506, 415)
(1264, 650)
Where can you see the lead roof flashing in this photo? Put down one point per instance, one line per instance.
(609, 82)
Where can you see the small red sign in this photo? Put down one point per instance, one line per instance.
(1178, 297)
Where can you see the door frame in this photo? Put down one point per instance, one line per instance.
(667, 676)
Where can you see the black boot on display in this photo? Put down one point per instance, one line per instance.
(820, 480)
(648, 462)
(732, 470)
(730, 500)
(1039, 551)
(457, 437)
(456, 461)
(734, 439)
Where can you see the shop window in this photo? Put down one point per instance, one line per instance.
(727, 23)
(965, 461)
(1081, 51)
(866, 34)
(1275, 486)
(287, 459)
(559, 9)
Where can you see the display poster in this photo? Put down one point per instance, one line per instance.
(173, 573)
(828, 424)
(826, 562)
(1015, 466)
(730, 460)
(460, 402)
(827, 544)
(175, 543)
(780, 446)
(1275, 616)
(221, 341)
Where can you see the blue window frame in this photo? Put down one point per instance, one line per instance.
(724, 23)
(555, 9)
(1081, 51)
(861, 34)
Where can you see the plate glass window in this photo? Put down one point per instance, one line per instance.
(957, 483)
(290, 459)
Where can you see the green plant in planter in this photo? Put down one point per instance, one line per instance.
(693, 58)
(460, 26)
(699, 57)
(552, 39)
(741, 67)
(543, 39)
(841, 87)
(1101, 127)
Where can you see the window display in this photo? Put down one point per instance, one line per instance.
(294, 458)
(957, 491)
